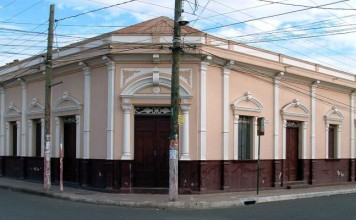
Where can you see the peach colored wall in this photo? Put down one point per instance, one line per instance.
(262, 91)
(341, 100)
(214, 88)
(98, 112)
(13, 94)
(36, 90)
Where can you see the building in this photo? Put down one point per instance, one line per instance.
(111, 107)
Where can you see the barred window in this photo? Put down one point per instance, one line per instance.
(244, 134)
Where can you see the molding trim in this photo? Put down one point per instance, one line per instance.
(35, 107)
(146, 82)
(295, 104)
(12, 111)
(237, 106)
(66, 98)
(334, 116)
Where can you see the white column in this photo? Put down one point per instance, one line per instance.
(23, 119)
(2, 121)
(77, 138)
(254, 138)
(30, 138)
(326, 141)
(284, 140)
(226, 91)
(338, 141)
(312, 119)
(42, 137)
(202, 105)
(236, 137)
(304, 140)
(352, 125)
(86, 112)
(126, 143)
(58, 136)
(110, 113)
(8, 147)
(18, 146)
(276, 115)
(185, 137)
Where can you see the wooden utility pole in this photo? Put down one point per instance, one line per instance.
(173, 148)
(47, 152)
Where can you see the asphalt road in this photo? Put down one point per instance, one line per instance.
(15, 205)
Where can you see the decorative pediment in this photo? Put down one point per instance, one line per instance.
(247, 103)
(12, 111)
(35, 107)
(66, 103)
(137, 88)
(334, 116)
(130, 75)
(295, 109)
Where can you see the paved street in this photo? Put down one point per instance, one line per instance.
(16, 205)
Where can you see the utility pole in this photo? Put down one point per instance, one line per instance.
(173, 146)
(47, 152)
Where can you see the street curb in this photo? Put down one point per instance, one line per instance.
(179, 204)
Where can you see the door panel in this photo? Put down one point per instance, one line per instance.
(69, 147)
(292, 153)
(151, 152)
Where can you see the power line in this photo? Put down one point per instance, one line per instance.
(306, 6)
(95, 10)
(21, 12)
(8, 5)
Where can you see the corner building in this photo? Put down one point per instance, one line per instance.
(111, 108)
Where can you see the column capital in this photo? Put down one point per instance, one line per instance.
(109, 62)
(85, 68)
(126, 107)
(278, 77)
(185, 107)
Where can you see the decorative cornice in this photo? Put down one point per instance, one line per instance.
(296, 104)
(35, 107)
(76, 105)
(247, 97)
(334, 111)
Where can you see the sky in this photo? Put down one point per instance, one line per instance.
(319, 31)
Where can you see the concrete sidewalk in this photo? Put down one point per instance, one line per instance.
(220, 200)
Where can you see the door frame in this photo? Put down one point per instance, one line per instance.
(148, 112)
(300, 149)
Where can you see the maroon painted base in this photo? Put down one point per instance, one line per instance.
(194, 176)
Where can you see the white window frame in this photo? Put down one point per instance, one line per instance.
(333, 117)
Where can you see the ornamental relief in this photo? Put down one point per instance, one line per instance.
(130, 74)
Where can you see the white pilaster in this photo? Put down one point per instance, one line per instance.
(185, 137)
(202, 115)
(86, 112)
(236, 137)
(226, 90)
(304, 140)
(126, 145)
(338, 141)
(326, 141)
(312, 119)
(254, 138)
(8, 147)
(284, 139)
(42, 137)
(2, 121)
(77, 139)
(30, 138)
(352, 125)
(58, 136)
(276, 115)
(23, 119)
(18, 138)
(110, 113)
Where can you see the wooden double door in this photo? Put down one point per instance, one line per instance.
(151, 161)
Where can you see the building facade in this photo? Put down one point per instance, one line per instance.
(111, 112)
